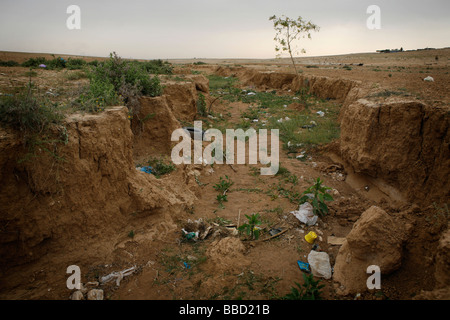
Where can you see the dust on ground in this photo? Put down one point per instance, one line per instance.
(169, 266)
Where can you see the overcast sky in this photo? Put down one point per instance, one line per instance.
(169, 29)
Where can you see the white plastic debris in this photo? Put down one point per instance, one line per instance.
(251, 94)
(320, 113)
(319, 262)
(428, 79)
(117, 275)
(305, 214)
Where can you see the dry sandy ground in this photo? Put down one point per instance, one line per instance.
(267, 269)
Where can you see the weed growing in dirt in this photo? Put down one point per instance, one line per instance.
(224, 184)
(250, 228)
(317, 195)
(310, 290)
(201, 105)
(117, 81)
(223, 187)
(160, 166)
(33, 116)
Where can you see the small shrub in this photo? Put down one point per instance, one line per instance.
(310, 290)
(116, 81)
(160, 166)
(250, 227)
(9, 63)
(201, 105)
(34, 62)
(75, 64)
(317, 195)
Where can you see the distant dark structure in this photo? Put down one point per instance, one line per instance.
(390, 50)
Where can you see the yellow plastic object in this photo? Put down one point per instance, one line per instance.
(310, 237)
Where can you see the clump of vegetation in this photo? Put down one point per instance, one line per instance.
(250, 227)
(201, 105)
(223, 186)
(117, 81)
(310, 290)
(34, 117)
(160, 166)
(9, 63)
(317, 195)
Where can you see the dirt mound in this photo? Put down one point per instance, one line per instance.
(227, 254)
(153, 127)
(404, 143)
(54, 208)
(363, 248)
(182, 99)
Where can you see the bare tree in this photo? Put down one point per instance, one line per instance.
(287, 31)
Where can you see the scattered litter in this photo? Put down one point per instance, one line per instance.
(118, 275)
(428, 79)
(190, 235)
(255, 120)
(251, 94)
(284, 105)
(319, 263)
(311, 237)
(287, 119)
(146, 169)
(305, 214)
(335, 241)
(95, 294)
(304, 266)
(274, 231)
(42, 66)
(320, 113)
(186, 265)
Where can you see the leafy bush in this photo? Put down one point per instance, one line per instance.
(9, 63)
(27, 113)
(157, 67)
(317, 195)
(117, 81)
(56, 63)
(74, 64)
(201, 105)
(34, 62)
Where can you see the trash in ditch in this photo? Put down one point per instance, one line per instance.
(311, 237)
(117, 275)
(190, 235)
(274, 231)
(194, 132)
(320, 113)
(319, 263)
(428, 79)
(305, 214)
(146, 169)
(310, 126)
(304, 266)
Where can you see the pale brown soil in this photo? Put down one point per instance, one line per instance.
(264, 269)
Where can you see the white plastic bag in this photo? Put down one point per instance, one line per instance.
(319, 263)
(305, 214)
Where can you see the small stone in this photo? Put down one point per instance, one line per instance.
(95, 294)
(77, 295)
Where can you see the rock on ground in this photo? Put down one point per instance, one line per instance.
(375, 239)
